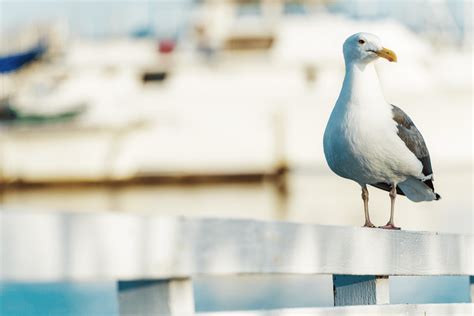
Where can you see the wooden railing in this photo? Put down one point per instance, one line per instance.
(154, 259)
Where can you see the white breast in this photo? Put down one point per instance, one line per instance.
(361, 141)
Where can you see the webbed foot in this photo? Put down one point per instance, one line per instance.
(369, 225)
(390, 226)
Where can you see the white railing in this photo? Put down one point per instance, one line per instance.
(154, 259)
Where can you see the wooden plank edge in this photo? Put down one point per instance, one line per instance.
(458, 309)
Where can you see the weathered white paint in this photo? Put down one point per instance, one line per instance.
(171, 297)
(405, 310)
(181, 297)
(382, 290)
(120, 247)
(360, 290)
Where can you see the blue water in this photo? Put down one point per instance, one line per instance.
(75, 299)
(219, 293)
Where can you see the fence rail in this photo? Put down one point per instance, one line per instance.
(404, 309)
(154, 259)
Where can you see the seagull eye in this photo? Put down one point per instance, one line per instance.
(361, 41)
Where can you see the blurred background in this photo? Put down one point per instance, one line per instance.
(217, 108)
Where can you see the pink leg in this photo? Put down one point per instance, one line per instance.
(365, 197)
(393, 195)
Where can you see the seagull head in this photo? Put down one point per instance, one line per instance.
(363, 48)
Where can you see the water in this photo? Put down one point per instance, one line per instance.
(314, 196)
(220, 293)
(76, 299)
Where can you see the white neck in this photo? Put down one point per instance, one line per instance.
(361, 86)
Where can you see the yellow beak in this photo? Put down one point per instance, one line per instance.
(387, 54)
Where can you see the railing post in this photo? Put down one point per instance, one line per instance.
(360, 290)
(471, 282)
(165, 297)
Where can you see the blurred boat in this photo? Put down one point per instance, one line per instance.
(215, 117)
(15, 61)
(11, 116)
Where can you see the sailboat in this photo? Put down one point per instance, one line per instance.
(15, 61)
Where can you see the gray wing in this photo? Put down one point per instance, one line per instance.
(413, 139)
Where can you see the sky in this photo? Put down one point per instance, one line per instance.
(117, 18)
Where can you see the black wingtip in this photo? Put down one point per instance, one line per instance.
(438, 197)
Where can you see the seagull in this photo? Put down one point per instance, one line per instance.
(371, 141)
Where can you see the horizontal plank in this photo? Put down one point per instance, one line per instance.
(158, 178)
(406, 310)
(100, 246)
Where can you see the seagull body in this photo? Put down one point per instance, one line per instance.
(371, 141)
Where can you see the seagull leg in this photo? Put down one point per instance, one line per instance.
(365, 197)
(393, 195)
